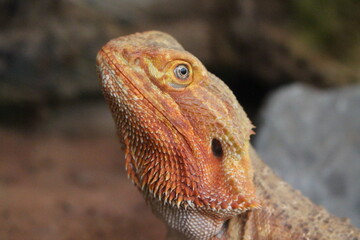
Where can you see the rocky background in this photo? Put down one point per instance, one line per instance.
(294, 66)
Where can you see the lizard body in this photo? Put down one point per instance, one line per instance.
(186, 141)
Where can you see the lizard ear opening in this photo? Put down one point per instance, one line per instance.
(216, 148)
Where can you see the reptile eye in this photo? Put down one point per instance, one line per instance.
(182, 72)
(216, 148)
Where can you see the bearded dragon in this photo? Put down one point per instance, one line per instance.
(186, 143)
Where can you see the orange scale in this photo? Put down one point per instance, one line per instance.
(224, 205)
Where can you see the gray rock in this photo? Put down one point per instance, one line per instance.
(311, 138)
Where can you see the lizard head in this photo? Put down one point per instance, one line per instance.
(186, 137)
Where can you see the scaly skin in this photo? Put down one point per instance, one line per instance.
(186, 143)
(167, 126)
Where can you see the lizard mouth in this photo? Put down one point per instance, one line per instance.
(112, 75)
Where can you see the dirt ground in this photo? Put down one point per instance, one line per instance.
(70, 186)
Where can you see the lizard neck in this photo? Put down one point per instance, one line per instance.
(285, 213)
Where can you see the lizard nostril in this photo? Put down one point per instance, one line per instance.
(216, 148)
(137, 61)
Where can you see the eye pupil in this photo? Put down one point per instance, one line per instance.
(181, 71)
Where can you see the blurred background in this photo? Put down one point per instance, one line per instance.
(293, 65)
